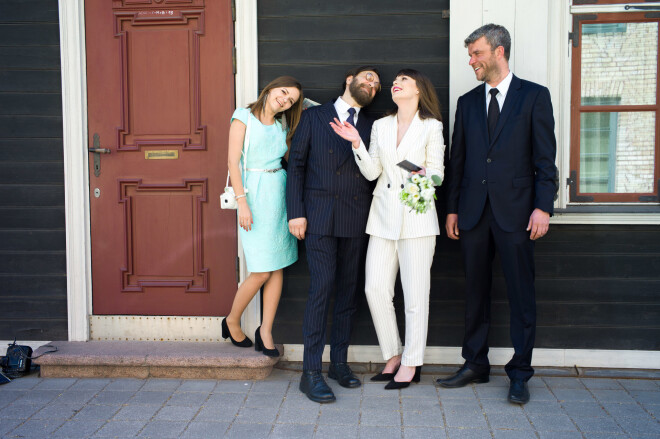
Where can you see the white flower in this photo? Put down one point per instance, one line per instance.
(416, 178)
(415, 198)
(427, 194)
(412, 188)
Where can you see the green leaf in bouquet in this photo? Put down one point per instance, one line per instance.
(436, 180)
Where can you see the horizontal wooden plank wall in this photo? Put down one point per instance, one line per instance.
(318, 41)
(597, 287)
(32, 237)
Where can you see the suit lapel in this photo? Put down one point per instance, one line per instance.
(363, 127)
(509, 102)
(346, 150)
(327, 114)
(409, 139)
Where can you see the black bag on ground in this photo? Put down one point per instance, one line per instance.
(17, 362)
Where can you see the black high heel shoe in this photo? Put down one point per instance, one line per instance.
(382, 376)
(259, 345)
(245, 343)
(392, 385)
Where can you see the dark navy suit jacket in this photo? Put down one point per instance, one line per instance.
(324, 184)
(515, 169)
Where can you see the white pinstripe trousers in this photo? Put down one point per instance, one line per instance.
(414, 256)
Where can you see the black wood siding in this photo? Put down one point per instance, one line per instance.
(32, 237)
(597, 286)
(318, 41)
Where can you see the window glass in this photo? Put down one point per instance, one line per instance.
(619, 60)
(617, 152)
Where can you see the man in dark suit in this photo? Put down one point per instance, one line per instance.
(501, 189)
(328, 203)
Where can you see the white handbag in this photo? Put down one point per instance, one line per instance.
(228, 197)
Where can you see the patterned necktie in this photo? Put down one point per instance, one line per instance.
(351, 115)
(493, 112)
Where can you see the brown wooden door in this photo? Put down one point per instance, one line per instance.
(160, 97)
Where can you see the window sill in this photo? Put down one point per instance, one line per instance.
(607, 214)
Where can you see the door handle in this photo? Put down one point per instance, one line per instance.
(97, 151)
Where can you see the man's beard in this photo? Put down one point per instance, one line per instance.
(361, 95)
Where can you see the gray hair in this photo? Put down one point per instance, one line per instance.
(495, 35)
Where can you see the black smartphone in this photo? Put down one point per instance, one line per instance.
(409, 166)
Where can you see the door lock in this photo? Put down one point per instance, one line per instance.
(97, 151)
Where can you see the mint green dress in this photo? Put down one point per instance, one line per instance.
(268, 246)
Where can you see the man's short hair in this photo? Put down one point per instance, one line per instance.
(356, 71)
(496, 36)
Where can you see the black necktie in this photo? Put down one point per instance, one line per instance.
(351, 114)
(493, 112)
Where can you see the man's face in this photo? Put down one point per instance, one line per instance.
(364, 86)
(483, 60)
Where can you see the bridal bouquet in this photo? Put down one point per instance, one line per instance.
(419, 192)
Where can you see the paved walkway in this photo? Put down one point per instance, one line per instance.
(561, 407)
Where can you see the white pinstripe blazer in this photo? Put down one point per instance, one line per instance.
(422, 145)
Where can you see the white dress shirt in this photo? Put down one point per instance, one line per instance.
(342, 110)
(502, 89)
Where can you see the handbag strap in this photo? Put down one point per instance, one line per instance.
(246, 145)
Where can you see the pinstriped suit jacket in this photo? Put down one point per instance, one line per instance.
(422, 145)
(324, 184)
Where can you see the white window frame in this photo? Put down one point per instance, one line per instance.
(560, 55)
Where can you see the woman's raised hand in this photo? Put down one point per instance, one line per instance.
(346, 131)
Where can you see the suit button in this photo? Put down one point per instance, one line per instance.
(401, 186)
(355, 198)
(357, 174)
(488, 160)
(483, 181)
(338, 173)
(330, 151)
(336, 197)
(388, 185)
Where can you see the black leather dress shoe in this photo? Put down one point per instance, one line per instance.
(463, 377)
(344, 375)
(314, 386)
(518, 392)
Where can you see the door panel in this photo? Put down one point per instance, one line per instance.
(160, 97)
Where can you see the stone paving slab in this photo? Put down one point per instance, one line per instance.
(562, 406)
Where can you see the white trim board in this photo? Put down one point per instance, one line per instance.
(155, 328)
(612, 359)
(247, 91)
(76, 178)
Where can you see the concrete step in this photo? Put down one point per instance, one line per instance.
(154, 359)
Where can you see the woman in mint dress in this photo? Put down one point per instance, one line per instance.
(260, 193)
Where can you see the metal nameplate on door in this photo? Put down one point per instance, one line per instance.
(162, 154)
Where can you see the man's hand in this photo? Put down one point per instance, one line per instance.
(539, 222)
(451, 225)
(297, 227)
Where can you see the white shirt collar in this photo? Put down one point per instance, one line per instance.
(342, 109)
(502, 87)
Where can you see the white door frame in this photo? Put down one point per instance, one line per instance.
(76, 166)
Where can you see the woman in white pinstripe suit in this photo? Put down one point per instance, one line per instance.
(398, 236)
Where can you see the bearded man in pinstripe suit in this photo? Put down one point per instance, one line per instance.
(328, 203)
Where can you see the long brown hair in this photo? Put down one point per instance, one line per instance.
(429, 104)
(292, 114)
